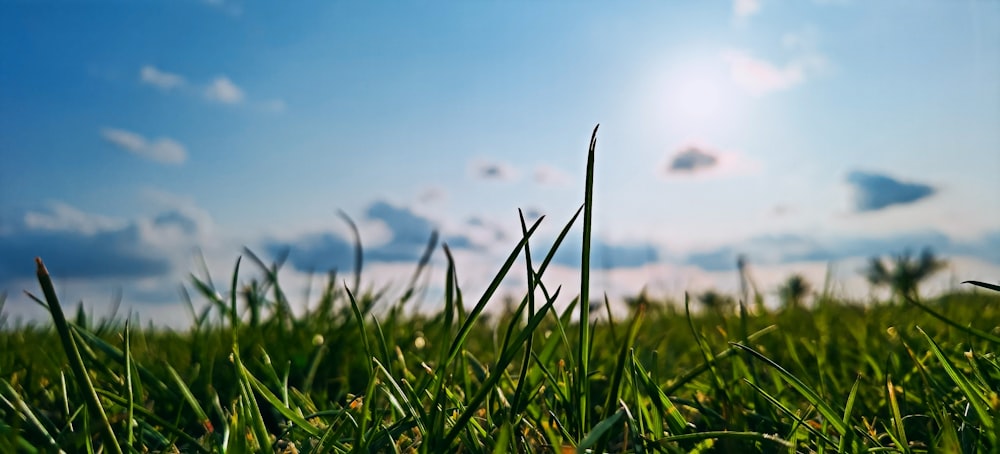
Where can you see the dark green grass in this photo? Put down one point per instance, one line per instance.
(360, 372)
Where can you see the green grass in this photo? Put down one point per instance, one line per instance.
(360, 372)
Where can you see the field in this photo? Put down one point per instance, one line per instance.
(362, 373)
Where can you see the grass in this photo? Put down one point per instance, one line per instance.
(250, 376)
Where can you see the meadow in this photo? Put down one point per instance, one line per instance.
(362, 371)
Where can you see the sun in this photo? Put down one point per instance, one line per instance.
(694, 95)
(694, 98)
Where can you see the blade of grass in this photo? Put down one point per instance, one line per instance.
(582, 378)
(784, 409)
(502, 362)
(675, 421)
(358, 251)
(965, 329)
(722, 435)
(75, 361)
(463, 332)
(978, 401)
(129, 390)
(190, 399)
(23, 410)
(624, 353)
(151, 417)
(280, 406)
(600, 430)
(897, 418)
(425, 259)
(520, 397)
(847, 437)
(803, 389)
(995, 288)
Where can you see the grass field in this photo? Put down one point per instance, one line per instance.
(362, 373)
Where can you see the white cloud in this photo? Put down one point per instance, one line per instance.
(223, 90)
(160, 79)
(274, 106)
(162, 149)
(760, 77)
(745, 8)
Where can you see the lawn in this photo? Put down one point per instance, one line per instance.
(364, 372)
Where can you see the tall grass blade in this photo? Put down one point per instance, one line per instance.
(966, 329)
(129, 389)
(582, 378)
(425, 259)
(498, 371)
(520, 396)
(995, 288)
(473, 315)
(75, 360)
(899, 431)
(190, 399)
(847, 437)
(358, 251)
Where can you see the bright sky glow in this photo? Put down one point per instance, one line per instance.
(802, 134)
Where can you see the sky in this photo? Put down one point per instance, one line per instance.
(808, 136)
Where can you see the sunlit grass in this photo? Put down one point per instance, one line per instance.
(250, 376)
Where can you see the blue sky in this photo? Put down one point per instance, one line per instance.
(802, 134)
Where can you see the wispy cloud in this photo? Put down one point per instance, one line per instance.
(223, 90)
(745, 8)
(162, 149)
(874, 191)
(760, 77)
(228, 7)
(548, 175)
(158, 78)
(274, 106)
(432, 194)
(493, 170)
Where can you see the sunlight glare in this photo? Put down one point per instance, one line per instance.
(696, 98)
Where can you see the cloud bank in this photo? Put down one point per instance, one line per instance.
(79, 245)
(605, 255)
(796, 248)
(323, 251)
